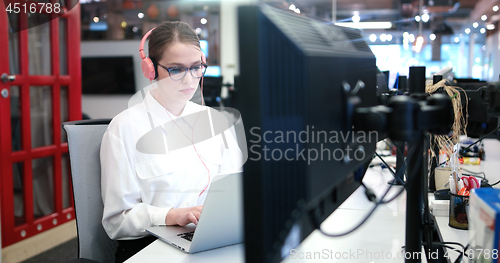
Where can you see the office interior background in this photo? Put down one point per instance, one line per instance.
(104, 36)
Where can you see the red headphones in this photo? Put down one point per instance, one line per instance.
(148, 65)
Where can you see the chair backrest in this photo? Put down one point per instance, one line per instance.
(84, 143)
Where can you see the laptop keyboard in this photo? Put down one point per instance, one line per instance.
(188, 235)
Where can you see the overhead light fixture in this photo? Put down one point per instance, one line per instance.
(96, 19)
(482, 30)
(484, 17)
(203, 21)
(383, 37)
(475, 24)
(373, 37)
(355, 18)
(411, 37)
(490, 26)
(467, 31)
(292, 7)
(366, 25)
(432, 37)
(425, 18)
(457, 39)
(417, 18)
(389, 37)
(495, 8)
(140, 15)
(297, 10)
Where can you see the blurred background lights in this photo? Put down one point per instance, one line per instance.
(411, 37)
(383, 37)
(355, 17)
(425, 17)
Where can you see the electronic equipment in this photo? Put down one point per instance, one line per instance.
(108, 75)
(299, 76)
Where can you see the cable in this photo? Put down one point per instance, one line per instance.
(318, 226)
(480, 139)
(390, 169)
(476, 173)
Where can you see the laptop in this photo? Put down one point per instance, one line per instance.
(220, 223)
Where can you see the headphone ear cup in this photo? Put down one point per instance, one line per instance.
(148, 68)
(155, 65)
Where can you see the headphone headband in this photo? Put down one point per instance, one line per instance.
(141, 46)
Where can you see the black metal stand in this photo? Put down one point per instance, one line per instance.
(400, 159)
(407, 118)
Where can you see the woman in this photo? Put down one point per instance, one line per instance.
(146, 184)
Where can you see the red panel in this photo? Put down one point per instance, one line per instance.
(5, 135)
(11, 233)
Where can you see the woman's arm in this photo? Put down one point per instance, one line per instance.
(125, 216)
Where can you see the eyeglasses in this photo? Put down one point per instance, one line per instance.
(178, 73)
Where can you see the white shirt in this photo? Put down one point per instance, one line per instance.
(140, 184)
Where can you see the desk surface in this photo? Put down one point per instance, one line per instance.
(380, 239)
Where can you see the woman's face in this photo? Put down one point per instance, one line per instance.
(178, 55)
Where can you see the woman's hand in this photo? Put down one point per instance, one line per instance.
(183, 216)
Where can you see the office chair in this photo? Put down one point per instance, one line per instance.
(84, 143)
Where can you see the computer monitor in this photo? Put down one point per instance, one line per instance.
(304, 158)
(108, 75)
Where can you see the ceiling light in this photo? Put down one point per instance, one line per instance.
(373, 38)
(411, 37)
(457, 39)
(292, 7)
(355, 17)
(475, 24)
(484, 17)
(383, 37)
(495, 8)
(366, 25)
(425, 17)
(432, 37)
(140, 15)
(297, 10)
(389, 37)
(482, 30)
(96, 19)
(203, 21)
(467, 31)
(490, 26)
(417, 18)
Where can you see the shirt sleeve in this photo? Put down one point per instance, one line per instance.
(233, 157)
(125, 216)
